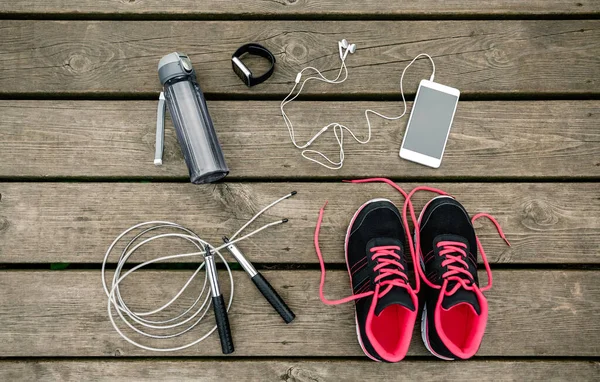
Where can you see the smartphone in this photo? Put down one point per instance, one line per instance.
(429, 124)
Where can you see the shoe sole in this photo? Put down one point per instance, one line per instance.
(424, 335)
(360, 341)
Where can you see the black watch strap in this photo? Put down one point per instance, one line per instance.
(242, 70)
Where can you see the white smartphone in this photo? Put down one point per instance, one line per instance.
(429, 124)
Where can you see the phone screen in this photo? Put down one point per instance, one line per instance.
(430, 122)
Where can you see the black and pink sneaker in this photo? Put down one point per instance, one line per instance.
(386, 305)
(456, 311)
(445, 254)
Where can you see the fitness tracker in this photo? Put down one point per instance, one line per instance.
(242, 70)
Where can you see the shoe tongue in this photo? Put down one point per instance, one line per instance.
(397, 295)
(461, 296)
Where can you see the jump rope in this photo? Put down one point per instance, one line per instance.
(141, 321)
(338, 128)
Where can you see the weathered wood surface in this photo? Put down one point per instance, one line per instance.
(115, 139)
(295, 8)
(63, 313)
(478, 57)
(553, 223)
(298, 370)
(532, 126)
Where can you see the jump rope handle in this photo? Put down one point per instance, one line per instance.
(273, 298)
(218, 303)
(261, 283)
(223, 324)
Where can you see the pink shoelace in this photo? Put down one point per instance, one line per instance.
(391, 272)
(454, 251)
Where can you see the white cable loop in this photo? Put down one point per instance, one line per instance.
(338, 128)
(191, 316)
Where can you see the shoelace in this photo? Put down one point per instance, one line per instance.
(448, 249)
(391, 272)
(387, 267)
(415, 249)
(455, 253)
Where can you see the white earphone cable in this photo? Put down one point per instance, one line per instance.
(338, 128)
(136, 320)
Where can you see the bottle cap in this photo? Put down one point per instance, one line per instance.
(173, 65)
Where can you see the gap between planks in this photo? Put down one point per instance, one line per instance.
(356, 9)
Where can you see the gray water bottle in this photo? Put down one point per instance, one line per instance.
(194, 127)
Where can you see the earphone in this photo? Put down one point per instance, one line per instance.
(349, 48)
(338, 129)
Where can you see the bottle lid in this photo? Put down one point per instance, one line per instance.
(173, 65)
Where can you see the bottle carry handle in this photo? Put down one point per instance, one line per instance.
(160, 129)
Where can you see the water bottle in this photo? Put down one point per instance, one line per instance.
(194, 127)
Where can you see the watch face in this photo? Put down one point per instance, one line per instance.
(242, 73)
(239, 72)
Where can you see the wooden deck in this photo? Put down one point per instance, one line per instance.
(78, 85)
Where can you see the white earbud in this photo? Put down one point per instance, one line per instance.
(342, 44)
(350, 48)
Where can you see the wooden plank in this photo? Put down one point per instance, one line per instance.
(296, 370)
(311, 8)
(478, 57)
(554, 223)
(53, 313)
(489, 140)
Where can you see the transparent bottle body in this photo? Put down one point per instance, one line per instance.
(195, 130)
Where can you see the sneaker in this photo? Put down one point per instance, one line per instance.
(375, 245)
(455, 312)
(386, 305)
